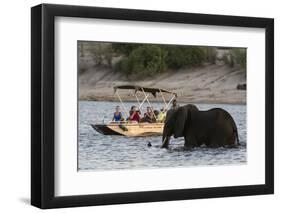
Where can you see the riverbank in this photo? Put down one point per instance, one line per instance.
(206, 84)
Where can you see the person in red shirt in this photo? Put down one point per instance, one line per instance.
(134, 114)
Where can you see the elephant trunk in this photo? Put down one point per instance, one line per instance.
(165, 142)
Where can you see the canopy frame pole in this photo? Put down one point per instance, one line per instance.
(123, 106)
(149, 105)
(137, 99)
(174, 96)
(163, 98)
(146, 97)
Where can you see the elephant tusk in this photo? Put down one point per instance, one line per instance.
(164, 140)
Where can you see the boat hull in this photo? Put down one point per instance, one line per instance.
(130, 129)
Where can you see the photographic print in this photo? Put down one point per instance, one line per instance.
(169, 105)
(144, 106)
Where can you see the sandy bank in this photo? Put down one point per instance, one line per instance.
(206, 84)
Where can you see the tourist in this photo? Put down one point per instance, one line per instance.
(134, 114)
(117, 116)
(162, 115)
(149, 116)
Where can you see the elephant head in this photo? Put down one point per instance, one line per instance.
(177, 122)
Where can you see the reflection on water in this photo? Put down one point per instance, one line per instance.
(104, 152)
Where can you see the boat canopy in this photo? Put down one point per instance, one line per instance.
(153, 91)
(146, 91)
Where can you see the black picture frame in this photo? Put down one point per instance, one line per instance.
(43, 102)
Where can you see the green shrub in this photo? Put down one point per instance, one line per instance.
(239, 56)
(146, 60)
(197, 55)
(123, 66)
(180, 56)
(210, 54)
(124, 48)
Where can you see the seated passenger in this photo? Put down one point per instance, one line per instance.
(117, 116)
(162, 115)
(134, 114)
(149, 116)
(156, 112)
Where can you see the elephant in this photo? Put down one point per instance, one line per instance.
(214, 127)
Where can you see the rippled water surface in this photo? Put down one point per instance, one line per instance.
(104, 152)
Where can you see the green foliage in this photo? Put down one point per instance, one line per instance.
(210, 54)
(124, 48)
(123, 66)
(228, 59)
(102, 53)
(239, 56)
(144, 61)
(180, 56)
(148, 60)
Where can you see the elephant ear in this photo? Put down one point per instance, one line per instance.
(180, 122)
(169, 115)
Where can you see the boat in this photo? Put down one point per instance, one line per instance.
(134, 129)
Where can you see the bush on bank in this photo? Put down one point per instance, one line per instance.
(148, 60)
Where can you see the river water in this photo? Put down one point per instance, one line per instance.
(98, 152)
